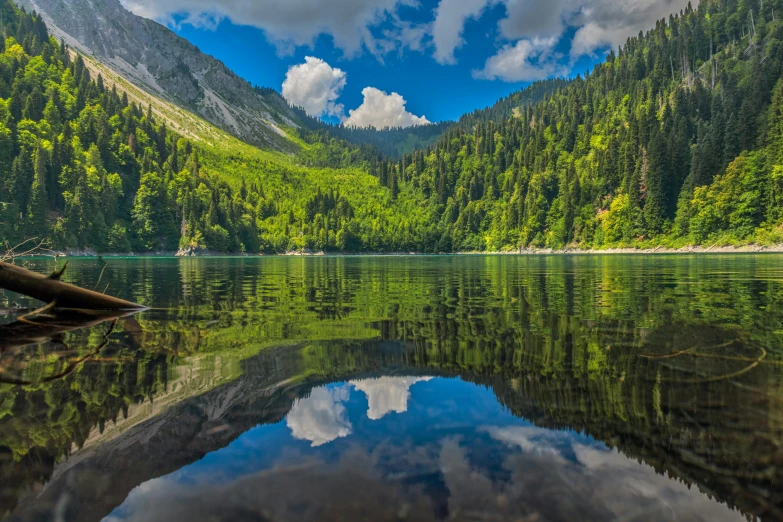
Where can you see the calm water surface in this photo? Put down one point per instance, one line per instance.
(411, 388)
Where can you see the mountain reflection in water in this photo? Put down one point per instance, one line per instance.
(408, 389)
(437, 458)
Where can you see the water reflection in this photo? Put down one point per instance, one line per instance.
(36, 329)
(609, 485)
(510, 471)
(320, 417)
(387, 394)
(461, 388)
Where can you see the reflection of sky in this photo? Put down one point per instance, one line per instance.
(449, 438)
(387, 394)
(320, 418)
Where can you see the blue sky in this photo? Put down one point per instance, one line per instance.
(343, 59)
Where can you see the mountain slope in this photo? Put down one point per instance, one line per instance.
(674, 140)
(166, 65)
(153, 58)
(638, 153)
(398, 142)
(88, 162)
(390, 142)
(513, 104)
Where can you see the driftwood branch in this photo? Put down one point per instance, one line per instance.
(50, 289)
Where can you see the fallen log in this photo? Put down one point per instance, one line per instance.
(50, 289)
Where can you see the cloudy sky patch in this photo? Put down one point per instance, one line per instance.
(404, 62)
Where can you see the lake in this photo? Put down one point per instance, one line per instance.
(466, 388)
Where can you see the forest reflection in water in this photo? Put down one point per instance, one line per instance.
(494, 388)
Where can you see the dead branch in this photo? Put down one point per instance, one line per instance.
(50, 289)
(27, 248)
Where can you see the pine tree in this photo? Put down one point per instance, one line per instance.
(34, 106)
(395, 189)
(36, 224)
(655, 208)
(731, 147)
(6, 162)
(775, 158)
(22, 173)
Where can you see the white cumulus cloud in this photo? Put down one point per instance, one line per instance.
(450, 18)
(288, 23)
(315, 86)
(525, 61)
(382, 110)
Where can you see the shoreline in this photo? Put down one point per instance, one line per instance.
(692, 250)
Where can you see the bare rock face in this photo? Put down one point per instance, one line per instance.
(154, 58)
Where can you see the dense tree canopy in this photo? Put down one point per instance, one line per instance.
(83, 166)
(675, 139)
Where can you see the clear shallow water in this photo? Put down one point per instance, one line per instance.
(451, 388)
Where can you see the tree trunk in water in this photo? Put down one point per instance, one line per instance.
(51, 290)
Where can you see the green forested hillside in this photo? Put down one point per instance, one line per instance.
(676, 139)
(397, 142)
(512, 104)
(86, 168)
(391, 142)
